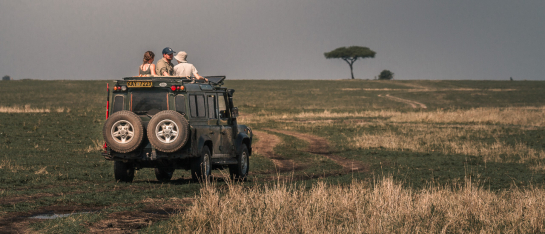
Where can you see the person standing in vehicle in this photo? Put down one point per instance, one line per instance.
(164, 66)
(147, 68)
(185, 69)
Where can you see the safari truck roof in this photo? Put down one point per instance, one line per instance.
(214, 82)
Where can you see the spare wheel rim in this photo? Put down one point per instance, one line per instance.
(167, 131)
(122, 132)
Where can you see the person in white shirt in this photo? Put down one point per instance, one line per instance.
(185, 69)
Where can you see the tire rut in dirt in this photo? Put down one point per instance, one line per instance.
(265, 146)
(319, 145)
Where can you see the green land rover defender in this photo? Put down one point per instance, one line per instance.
(170, 123)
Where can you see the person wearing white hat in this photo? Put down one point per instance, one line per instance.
(185, 69)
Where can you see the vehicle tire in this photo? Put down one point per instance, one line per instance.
(200, 167)
(163, 174)
(168, 131)
(123, 131)
(123, 172)
(240, 170)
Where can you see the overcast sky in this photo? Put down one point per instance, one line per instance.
(277, 39)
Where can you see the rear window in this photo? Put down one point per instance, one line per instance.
(142, 101)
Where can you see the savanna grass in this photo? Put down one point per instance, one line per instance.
(383, 207)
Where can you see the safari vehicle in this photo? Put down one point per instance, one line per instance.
(170, 123)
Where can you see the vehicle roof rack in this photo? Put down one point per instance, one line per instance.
(213, 80)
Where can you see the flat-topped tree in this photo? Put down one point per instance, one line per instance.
(350, 55)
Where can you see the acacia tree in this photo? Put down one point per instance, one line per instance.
(350, 55)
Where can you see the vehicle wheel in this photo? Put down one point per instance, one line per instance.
(200, 167)
(164, 174)
(240, 170)
(168, 131)
(123, 131)
(123, 172)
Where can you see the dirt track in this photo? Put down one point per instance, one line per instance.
(265, 146)
(413, 104)
(319, 145)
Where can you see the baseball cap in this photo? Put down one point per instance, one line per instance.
(168, 50)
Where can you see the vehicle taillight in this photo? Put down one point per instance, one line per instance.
(176, 88)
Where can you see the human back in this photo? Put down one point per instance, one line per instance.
(147, 68)
(185, 69)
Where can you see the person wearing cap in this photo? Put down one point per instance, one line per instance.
(185, 69)
(164, 67)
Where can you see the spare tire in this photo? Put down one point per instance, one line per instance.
(168, 131)
(123, 131)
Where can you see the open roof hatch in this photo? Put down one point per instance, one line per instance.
(216, 80)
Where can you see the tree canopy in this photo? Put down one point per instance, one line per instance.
(350, 55)
(6, 78)
(386, 75)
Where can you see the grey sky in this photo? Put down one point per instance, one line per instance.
(280, 39)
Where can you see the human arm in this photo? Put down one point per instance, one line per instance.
(196, 74)
(199, 77)
(152, 69)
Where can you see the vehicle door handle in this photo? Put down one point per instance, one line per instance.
(212, 133)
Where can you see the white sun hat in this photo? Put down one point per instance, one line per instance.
(181, 56)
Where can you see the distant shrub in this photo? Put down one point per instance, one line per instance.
(6, 78)
(386, 75)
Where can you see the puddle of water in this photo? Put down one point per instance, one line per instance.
(55, 216)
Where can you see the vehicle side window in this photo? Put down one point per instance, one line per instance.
(222, 106)
(196, 103)
(212, 107)
(180, 103)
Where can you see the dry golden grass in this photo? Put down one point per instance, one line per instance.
(423, 89)
(525, 116)
(385, 207)
(467, 140)
(8, 165)
(95, 147)
(25, 109)
(28, 109)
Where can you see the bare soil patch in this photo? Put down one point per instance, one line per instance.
(130, 221)
(19, 222)
(265, 146)
(319, 145)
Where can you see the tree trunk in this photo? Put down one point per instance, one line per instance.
(351, 72)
